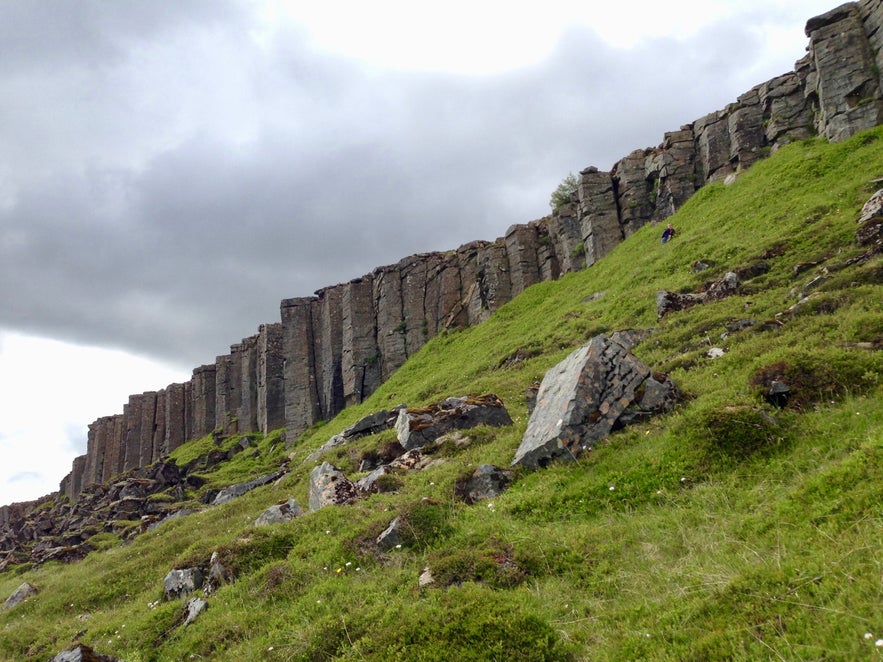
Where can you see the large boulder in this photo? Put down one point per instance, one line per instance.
(418, 427)
(486, 482)
(598, 388)
(329, 486)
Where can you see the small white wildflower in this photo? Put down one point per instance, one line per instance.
(612, 487)
(431, 483)
(358, 570)
(868, 636)
(398, 546)
(683, 479)
(328, 531)
(269, 649)
(490, 505)
(348, 564)
(879, 643)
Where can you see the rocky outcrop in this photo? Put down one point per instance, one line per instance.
(334, 349)
(82, 653)
(599, 387)
(417, 427)
(18, 596)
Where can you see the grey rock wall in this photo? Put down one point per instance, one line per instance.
(334, 349)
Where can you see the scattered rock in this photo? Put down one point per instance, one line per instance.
(418, 427)
(194, 607)
(279, 513)
(583, 398)
(391, 536)
(230, 493)
(486, 482)
(425, 578)
(714, 353)
(18, 596)
(182, 582)
(669, 302)
(329, 486)
(778, 393)
(371, 424)
(82, 653)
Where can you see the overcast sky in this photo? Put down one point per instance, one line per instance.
(169, 171)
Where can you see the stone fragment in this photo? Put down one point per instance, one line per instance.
(194, 607)
(329, 486)
(391, 537)
(279, 513)
(18, 596)
(417, 427)
(182, 582)
(582, 399)
(82, 653)
(486, 482)
(425, 578)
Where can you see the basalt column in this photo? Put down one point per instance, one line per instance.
(361, 355)
(202, 401)
(146, 428)
(298, 342)
(389, 318)
(159, 426)
(521, 246)
(329, 317)
(271, 379)
(248, 386)
(599, 219)
(132, 433)
(175, 411)
(848, 79)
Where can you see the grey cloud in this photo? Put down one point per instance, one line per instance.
(178, 241)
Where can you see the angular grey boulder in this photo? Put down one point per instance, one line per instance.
(18, 596)
(279, 513)
(329, 486)
(599, 387)
(181, 582)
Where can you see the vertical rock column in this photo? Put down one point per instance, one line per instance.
(301, 395)
(132, 433)
(146, 428)
(360, 358)
(599, 219)
(159, 426)
(202, 401)
(329, 317)
(521, 246)
(848, 80)
(389, 317)
(566, 237)
(271, 379)
(248, 386)
(175, 411)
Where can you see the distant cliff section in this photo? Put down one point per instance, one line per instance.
(334, 349)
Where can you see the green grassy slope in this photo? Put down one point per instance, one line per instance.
(724, 530)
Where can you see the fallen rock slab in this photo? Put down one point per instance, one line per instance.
(233, 491)
(417, 427)
(599, 387)
(82, 653)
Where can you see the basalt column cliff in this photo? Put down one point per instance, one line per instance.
(335, 348)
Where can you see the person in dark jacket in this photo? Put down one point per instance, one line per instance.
(668, 233)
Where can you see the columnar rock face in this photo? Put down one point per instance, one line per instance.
(270, 379)
(847, 76)
(336, 348)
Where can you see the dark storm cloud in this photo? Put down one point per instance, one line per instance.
(172, 221)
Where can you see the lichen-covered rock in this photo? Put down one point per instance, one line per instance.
(391, 536)
(329, 487)
(584, 398)
(182, 582)
(486, 482)
(279, 513)
(194, 607)
(417, 427)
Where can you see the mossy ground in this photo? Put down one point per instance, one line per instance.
(727, 529)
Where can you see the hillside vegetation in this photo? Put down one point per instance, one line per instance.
(727, 529)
